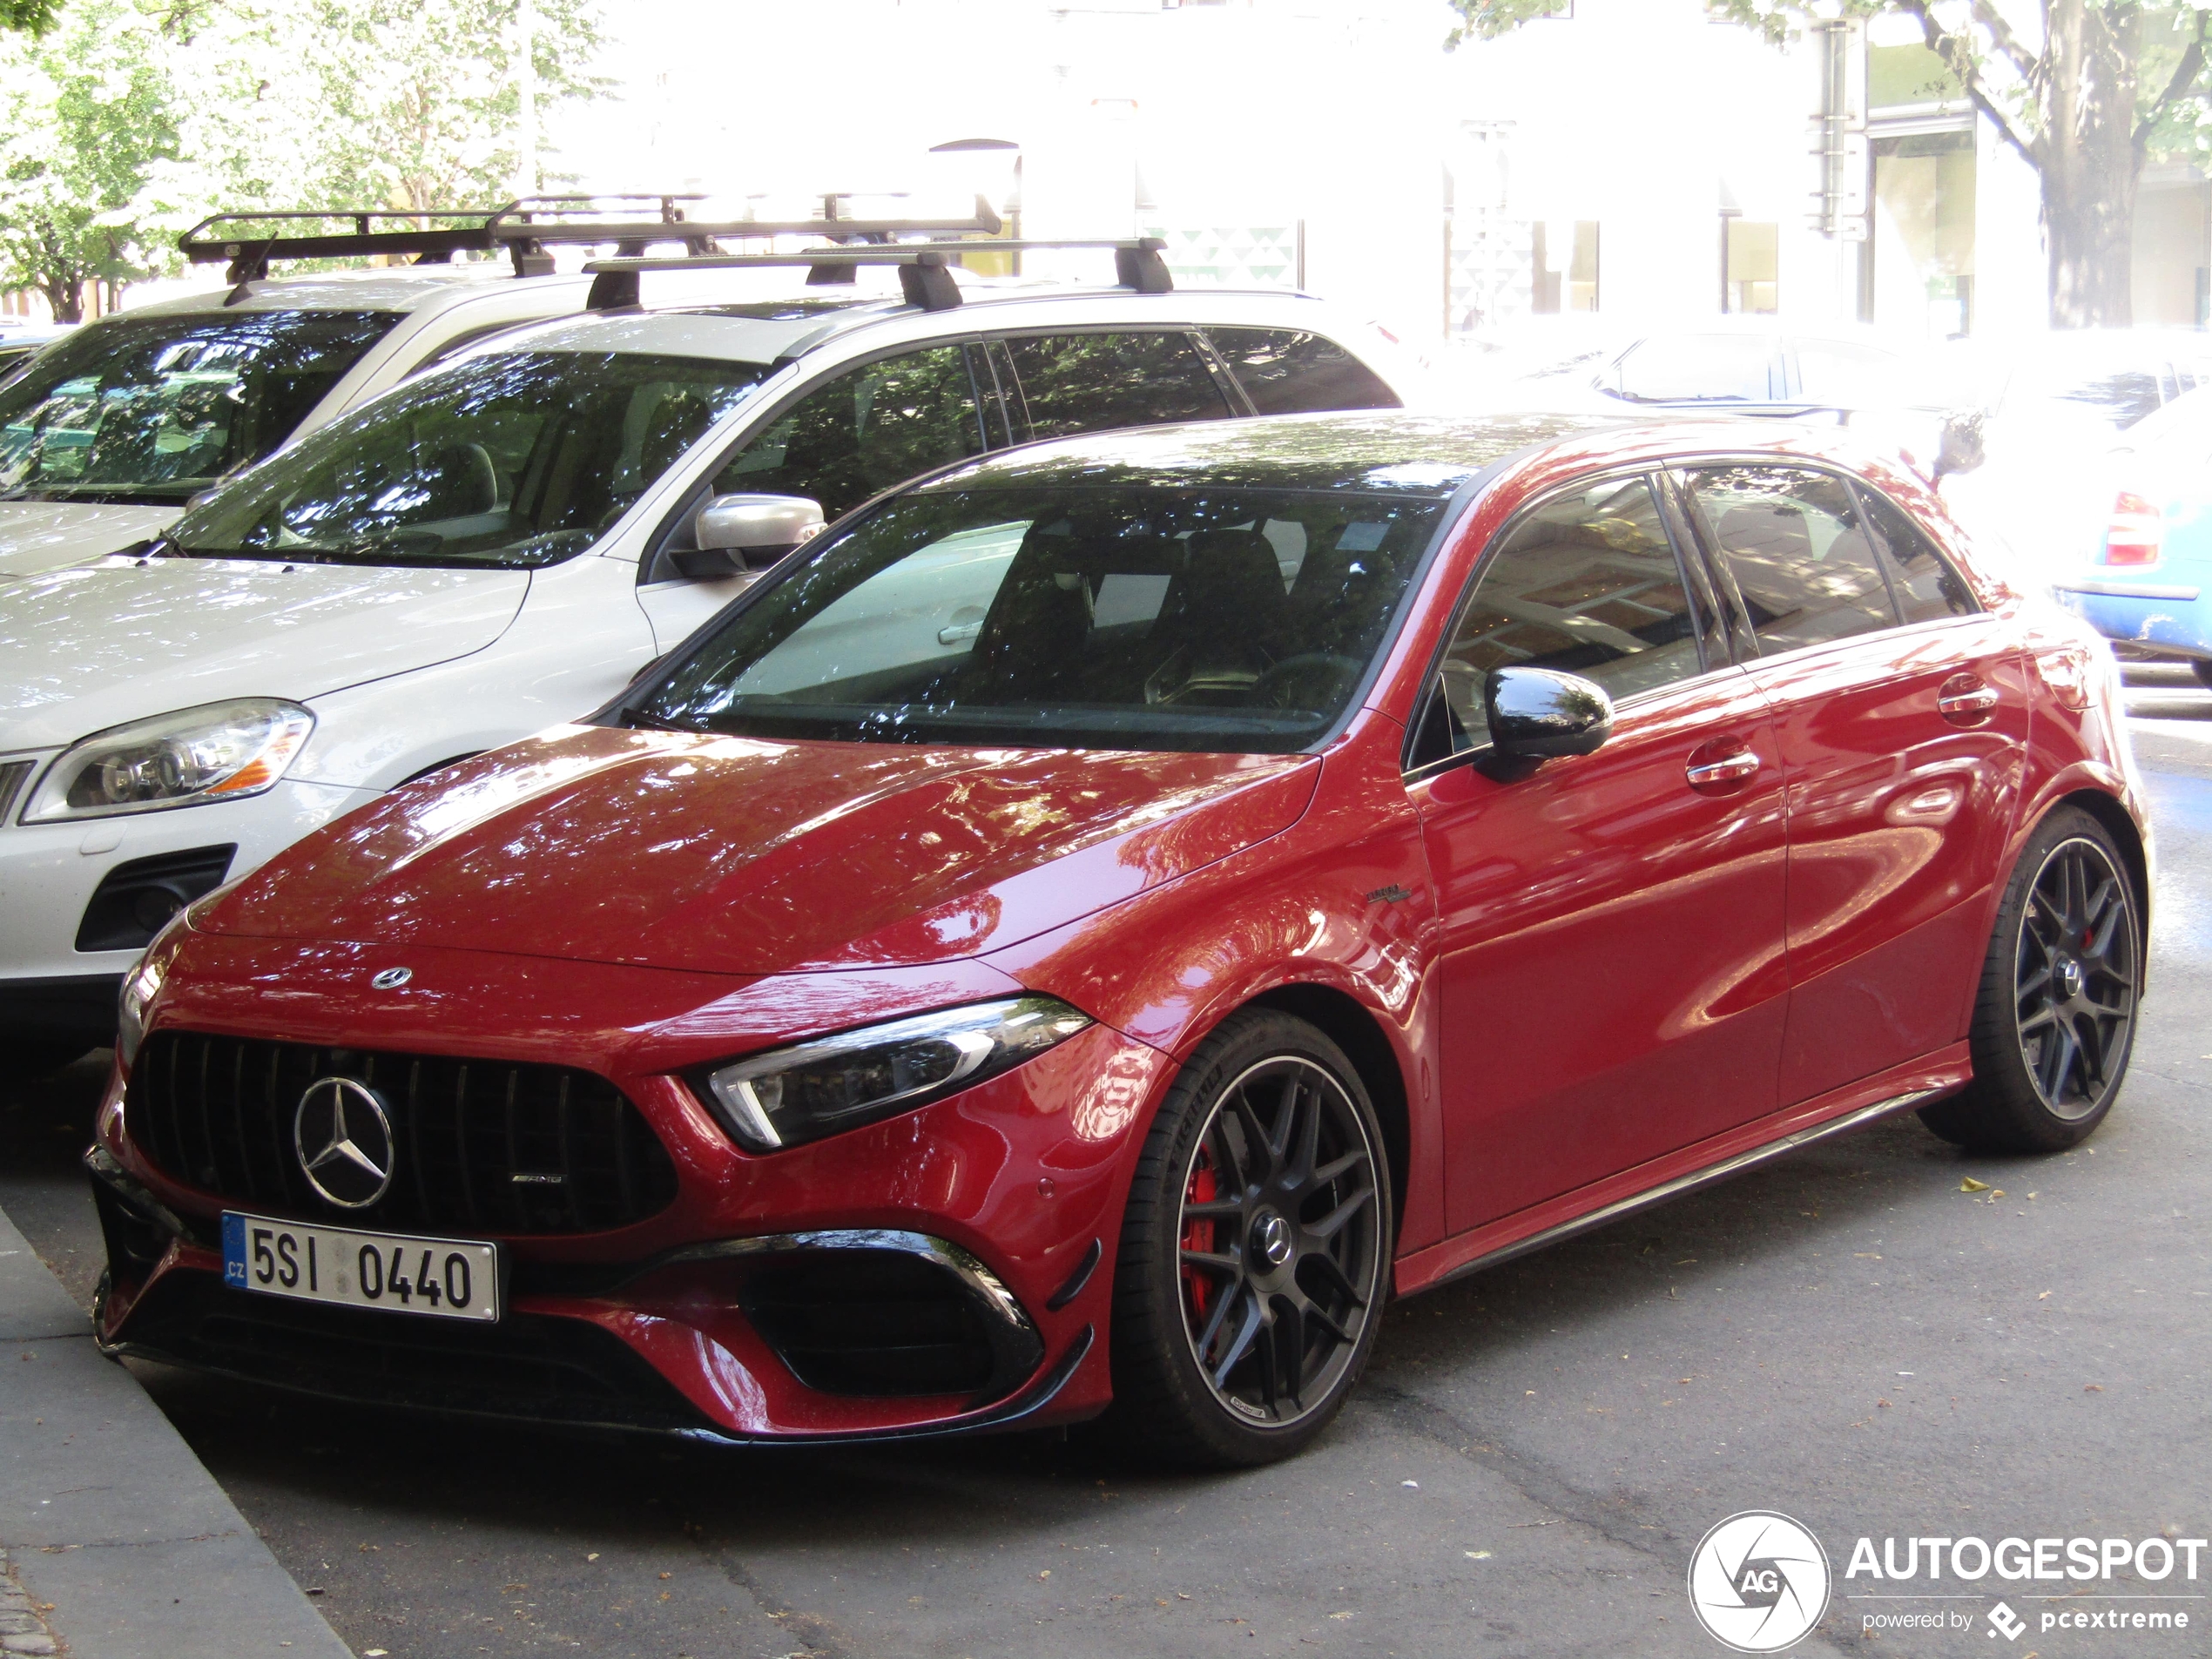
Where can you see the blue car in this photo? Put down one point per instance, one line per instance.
(2149, 580)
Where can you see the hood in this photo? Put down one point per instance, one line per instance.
(85, 649)
(734, 856)
(38, 535)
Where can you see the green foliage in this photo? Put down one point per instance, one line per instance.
(30, 16)
(132, 120)
(86, 116)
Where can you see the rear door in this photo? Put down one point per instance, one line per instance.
(1902, 712)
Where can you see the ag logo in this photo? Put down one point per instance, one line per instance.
(1758, 1582)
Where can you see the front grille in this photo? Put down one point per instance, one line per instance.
(553, 1370)
(217, 1113)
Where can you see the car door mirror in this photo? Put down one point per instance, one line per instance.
(1540, 714)
(1960, 446)
(739, 533)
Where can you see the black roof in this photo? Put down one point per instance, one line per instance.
(1385, 453)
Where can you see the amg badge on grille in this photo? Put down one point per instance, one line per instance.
(343, 1135)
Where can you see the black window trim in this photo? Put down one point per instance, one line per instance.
(1750, 651)
(1652, 473)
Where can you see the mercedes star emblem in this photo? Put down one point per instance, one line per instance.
(392, 978)
(343, 1135)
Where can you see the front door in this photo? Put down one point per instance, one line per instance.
(1902, 716)
(1610, 978)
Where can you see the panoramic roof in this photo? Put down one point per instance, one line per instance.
(1392, 453)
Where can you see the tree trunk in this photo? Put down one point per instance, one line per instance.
(2087, 160)
(66, 295)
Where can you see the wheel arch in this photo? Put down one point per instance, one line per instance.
(1353, 1027)
(2120, 825)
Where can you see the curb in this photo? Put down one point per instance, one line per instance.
(115, 1541)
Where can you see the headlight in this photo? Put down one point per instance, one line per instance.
(801, 1094)
(140, 986)
(217, 751)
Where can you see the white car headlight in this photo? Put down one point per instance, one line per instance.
(789, 1096)
(217, 752)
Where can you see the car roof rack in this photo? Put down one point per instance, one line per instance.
(217, 237)
(530, 226)
(924, 276)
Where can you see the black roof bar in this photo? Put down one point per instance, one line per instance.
(217, 237)
(527, 227)
(922, 274)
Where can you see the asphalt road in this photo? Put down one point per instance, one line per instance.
(1845, 1336)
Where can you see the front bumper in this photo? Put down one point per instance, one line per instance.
(934, 1273)
(51, 874)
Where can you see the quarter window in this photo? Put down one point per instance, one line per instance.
(1792, 543)
(1587, 585)
(1287, 371)
(864, 432)
(1073, 383)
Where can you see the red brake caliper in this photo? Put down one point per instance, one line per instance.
(1198, 1234)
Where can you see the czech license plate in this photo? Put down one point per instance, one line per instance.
(447, 1278)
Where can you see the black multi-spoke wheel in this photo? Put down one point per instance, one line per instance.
(1254, 1255)
(2056, 1016)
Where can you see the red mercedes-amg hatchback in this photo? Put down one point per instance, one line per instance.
(1094, 925)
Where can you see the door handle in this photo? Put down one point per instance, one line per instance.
(1722, 775)
(1965, 700)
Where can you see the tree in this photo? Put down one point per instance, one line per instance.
(85, 116)
(29, 17)
(2084, 90)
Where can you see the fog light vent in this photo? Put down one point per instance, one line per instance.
(135, 900)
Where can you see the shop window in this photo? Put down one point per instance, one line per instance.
(1751, 256)
(1565, 258)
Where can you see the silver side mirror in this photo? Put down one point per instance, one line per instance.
(756, 524)
(1960, 446)
(738, 534)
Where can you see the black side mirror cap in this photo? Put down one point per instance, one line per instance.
(1961, 447)
(1540, 714)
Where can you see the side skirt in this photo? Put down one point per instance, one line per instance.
(1900, 1089)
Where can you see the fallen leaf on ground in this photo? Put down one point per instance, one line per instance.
(1972, 1185)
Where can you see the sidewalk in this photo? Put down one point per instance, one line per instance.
(114, 1542)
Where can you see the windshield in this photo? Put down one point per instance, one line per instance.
(1229, 620)
(516, 460)
(152, 409)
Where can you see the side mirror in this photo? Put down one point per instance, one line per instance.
(739, 533)
(1540, 714)
(1959, 447)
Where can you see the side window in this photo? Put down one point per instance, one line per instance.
(1072, 383)
(1587, 585)
(1286, 371)
(1842, 371)
(1792, 541)
(867, 430)
(1927, 587)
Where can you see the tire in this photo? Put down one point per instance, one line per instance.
(2054, 1020)
(2201, 667)
(34, 1057)
(1267, 1137)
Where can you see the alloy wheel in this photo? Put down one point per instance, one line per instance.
(1280, 1241)
(2074, 978)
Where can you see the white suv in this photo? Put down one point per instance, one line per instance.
(108, 432)
(502, 544)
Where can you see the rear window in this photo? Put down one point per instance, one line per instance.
(1288, 371)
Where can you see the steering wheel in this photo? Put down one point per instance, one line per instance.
(1325, 672)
